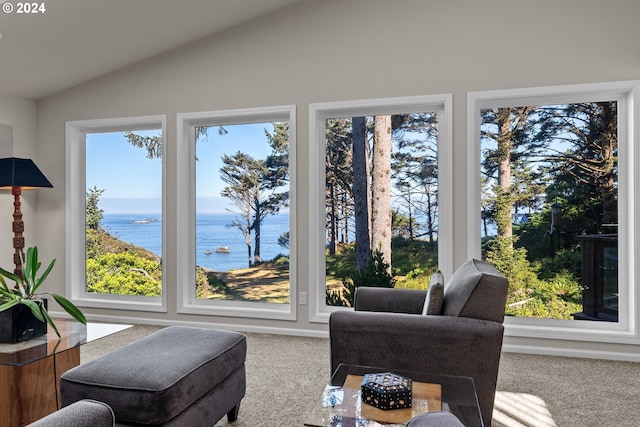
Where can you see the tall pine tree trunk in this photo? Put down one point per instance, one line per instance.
(609, 144)
(256, 228)
(247, 239)
(361, 192)
(333, 221)
(381, 188)
(503, 192)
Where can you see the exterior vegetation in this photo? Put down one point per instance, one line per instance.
(116, 267)
(557, 164)
(536, 161)
(549, 175)
(256, 189)
(381, 187)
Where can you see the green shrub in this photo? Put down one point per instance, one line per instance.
(208, 284)
(375, 275)
(512, 263)
(565, 260)
(553, 309)
(557, 298)
(124, 274)
(418, 278)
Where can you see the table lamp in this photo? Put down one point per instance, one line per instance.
(16, 175)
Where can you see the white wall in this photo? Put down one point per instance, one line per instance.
(17, 139)
(335, 50)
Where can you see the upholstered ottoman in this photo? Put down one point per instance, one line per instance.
(176, 376)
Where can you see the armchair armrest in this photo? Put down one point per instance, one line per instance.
(83, 413)
(436, 344)
(389, 300)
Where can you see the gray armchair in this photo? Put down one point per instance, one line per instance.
(435, 419)
(387, 330)
(83, 413)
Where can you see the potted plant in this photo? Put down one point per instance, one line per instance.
(23, 310)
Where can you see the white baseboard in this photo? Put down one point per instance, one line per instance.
(546, 347)
(208, 325)
(572, 352)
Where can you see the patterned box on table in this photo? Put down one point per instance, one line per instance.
(386, 391)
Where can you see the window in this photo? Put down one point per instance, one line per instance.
(239, 203)
(379, 200)
(115, 211)
(552, 184)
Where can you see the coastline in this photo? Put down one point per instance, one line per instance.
(213, 230)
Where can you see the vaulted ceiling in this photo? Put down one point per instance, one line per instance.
(72, 41)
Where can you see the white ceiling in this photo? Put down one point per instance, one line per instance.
(74, 41)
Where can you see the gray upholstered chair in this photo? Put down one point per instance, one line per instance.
(387, 330)
(435, 419)
(83, 413)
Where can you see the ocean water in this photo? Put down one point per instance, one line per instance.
(212, 231)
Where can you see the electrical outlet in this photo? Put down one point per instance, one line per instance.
(303, 298)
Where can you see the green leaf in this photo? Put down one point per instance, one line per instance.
(9, 304)
(30, 269)
(26, 286)
(9, 275)
(25, 266)
(35, 308)
(9, 293)
(44, 276)
(70, 308)
(50, 321)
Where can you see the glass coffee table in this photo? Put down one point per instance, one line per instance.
(30, 370)
(443, 392)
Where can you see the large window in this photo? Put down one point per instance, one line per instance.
(554, 184)
(115, 212)
(124, 213)
(239, 211)
(383, 172)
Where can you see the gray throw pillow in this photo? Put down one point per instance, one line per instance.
(435, 294)
(476, 290)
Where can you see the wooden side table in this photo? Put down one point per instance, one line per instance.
(30, 370)
(30, 373)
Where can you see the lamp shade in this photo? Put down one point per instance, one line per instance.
(23, 173)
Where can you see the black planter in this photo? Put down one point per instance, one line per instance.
(19, 324)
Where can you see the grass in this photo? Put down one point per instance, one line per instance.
(413, 264)
(267, 282)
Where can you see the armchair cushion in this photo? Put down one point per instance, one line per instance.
(476, 290)
(389, 300)
(435, 294)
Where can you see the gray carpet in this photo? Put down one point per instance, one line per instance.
(286, 375)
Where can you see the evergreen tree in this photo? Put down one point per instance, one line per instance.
(415, 170)
(254, 186)
(94, 214)
(381, 187)
(361, 195)
(339, 179)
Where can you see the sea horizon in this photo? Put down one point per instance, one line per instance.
(213, 231)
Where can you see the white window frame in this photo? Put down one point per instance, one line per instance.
(627, 93)
(186, 227)
(318, 114)
(76, 132)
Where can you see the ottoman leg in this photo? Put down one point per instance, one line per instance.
(232, 415)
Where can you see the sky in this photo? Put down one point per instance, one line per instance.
(132, 183)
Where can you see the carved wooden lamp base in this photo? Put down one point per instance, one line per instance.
(18, 229)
